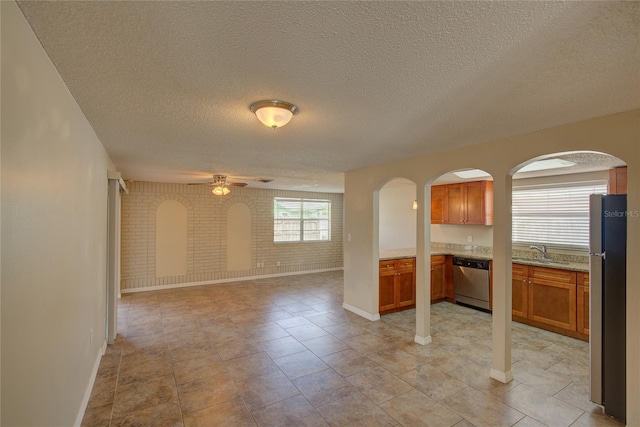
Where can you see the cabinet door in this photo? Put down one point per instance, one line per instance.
(479, 203)
(618, 180)
(437, 278)
(519, 290)
(405, 288)
(553, 302)
(449, 292)
(387, 290)
(583, 303)
(455, 204)
(438, 204)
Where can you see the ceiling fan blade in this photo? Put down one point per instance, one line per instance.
(200, 183)
(237, 184)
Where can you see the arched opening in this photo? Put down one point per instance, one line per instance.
(396, 241)
(461, 246)
(557, 290)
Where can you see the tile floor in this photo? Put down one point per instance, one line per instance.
(282, 352)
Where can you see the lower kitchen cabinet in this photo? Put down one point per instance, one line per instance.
(583, 303)
(551, 298)
(438, 278)
(397, 285)
(519, 290)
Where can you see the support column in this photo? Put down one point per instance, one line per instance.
(501, 362)
(423, 267)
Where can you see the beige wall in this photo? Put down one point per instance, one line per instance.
(618, 135)
(396, 215)
(208, 239)
(54, 222)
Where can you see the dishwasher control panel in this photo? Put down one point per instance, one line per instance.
(481, 264)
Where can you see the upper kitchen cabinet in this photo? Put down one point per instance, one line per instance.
(467, 203)
(618, 180)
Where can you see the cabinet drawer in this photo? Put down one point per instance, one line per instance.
(519, 270)
(405, 264)
(386, 266)
(437, 260)
(553, 275)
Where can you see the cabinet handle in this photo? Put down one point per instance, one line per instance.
(529, 281)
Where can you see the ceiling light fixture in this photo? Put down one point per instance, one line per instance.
(471, 173)
(220, 190)
(540, 165)
(219, 186)
(273, 113)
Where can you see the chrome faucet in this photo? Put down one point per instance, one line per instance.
(542, 250)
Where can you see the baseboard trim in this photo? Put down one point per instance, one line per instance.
(92, 380)
(422, 340)
(219, 281)
(362, 313)
(503, 377)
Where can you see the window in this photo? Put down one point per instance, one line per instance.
(556, 215)
(301, 220)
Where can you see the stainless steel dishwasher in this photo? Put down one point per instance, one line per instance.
(471, 282)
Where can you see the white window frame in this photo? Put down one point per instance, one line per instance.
(302, 220)
(556, 215)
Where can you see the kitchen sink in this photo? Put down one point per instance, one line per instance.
(540, 261)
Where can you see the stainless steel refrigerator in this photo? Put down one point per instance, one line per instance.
(608, 276)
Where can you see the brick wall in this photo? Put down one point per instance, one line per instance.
(206, 235)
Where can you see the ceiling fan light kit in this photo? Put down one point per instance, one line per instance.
(220, 190)
(273, 113)
(220, 185)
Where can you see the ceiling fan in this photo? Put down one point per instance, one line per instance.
(220, 185)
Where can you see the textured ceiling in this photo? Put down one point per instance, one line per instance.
(167, 85)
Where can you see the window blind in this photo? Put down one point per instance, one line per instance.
(297, 220)
(556, 215)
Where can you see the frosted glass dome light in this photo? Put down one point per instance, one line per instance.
(273, 113)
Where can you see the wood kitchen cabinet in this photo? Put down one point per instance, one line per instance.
(438, 204)
(618, 180)
(552, 299)
(582, 308)
(397, 285)
(449, 292)
(467, 203)
(519, 290)
(438, 278)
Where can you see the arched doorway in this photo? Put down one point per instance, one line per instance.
(553, 327)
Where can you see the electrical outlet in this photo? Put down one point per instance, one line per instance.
(469, 239)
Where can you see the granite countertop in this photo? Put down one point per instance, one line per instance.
(483, 253)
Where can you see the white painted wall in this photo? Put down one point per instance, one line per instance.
(481, 235)
(54, 226)
(618, 135)
(397, 218)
